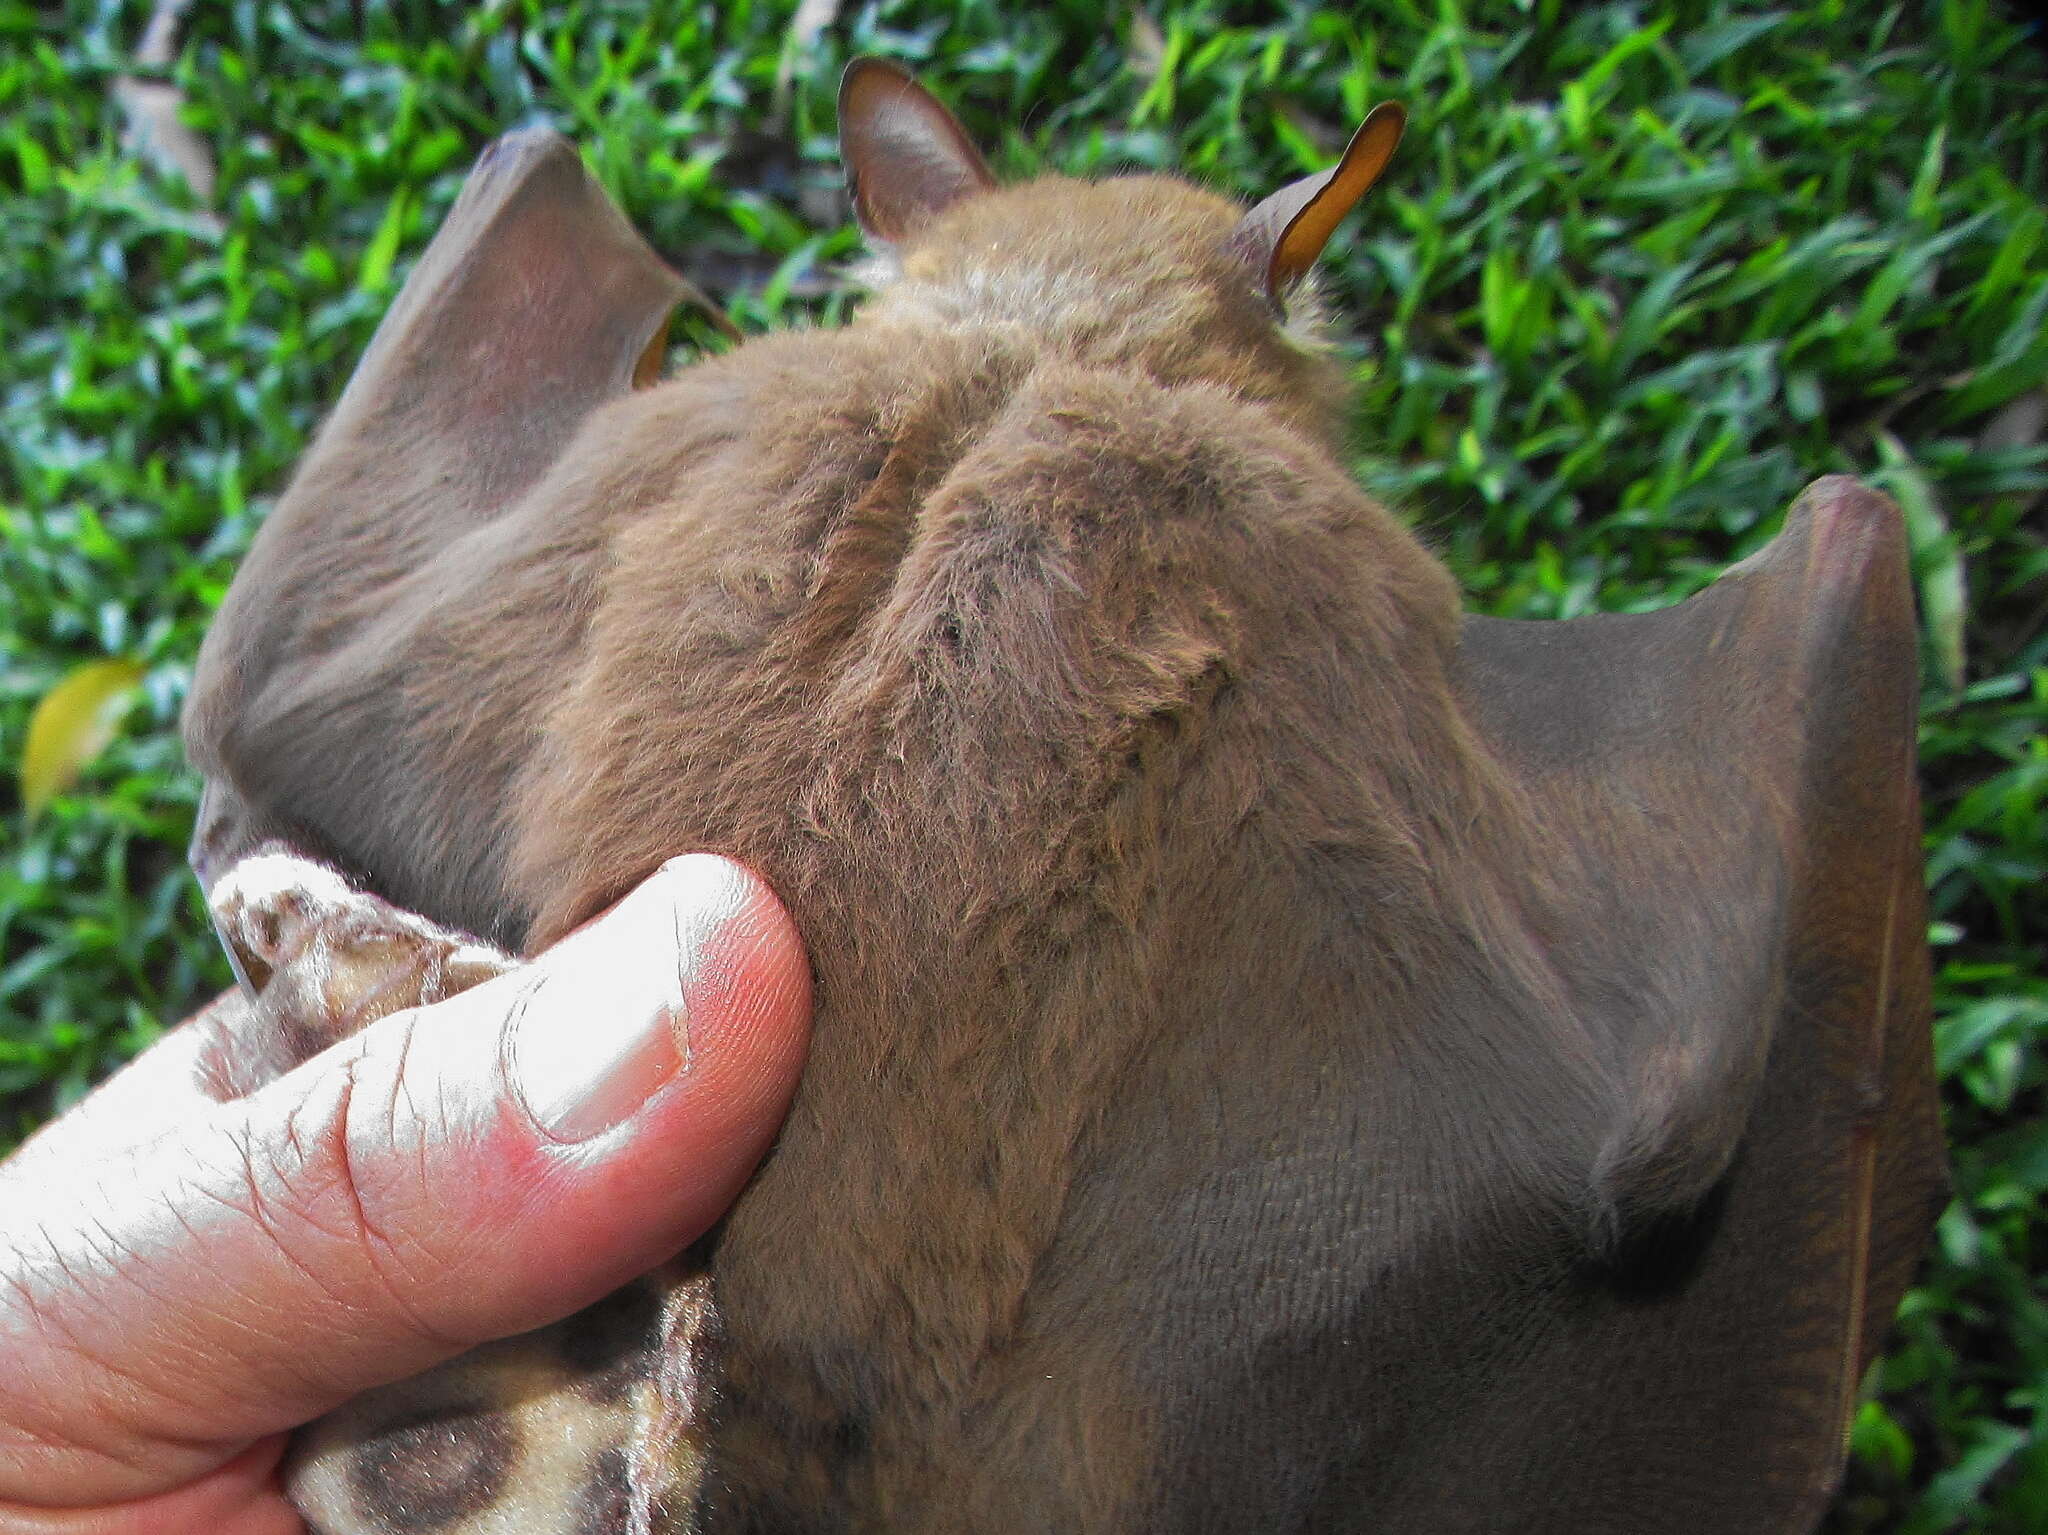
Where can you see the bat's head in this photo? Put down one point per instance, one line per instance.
(1148, 272)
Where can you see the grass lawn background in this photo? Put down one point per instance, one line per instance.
(1638, 274)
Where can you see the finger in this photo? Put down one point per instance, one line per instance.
(156, 1092)
(241, 1498)
(451, 1174)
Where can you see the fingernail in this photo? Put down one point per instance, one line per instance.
(603, 1024)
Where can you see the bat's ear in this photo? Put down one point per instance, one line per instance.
(1281, 238)
(907, 159)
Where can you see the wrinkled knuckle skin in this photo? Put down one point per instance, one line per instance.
(332, 1180)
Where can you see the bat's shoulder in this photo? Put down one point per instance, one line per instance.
(1204, 445)
(1099, 482)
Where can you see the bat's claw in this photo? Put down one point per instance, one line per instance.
(319, 960)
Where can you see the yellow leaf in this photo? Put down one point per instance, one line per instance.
(72, 725)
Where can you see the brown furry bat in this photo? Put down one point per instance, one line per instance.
(1288, 1057)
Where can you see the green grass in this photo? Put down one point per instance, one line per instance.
(1638, 274)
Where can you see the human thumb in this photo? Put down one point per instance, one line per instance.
(451, 1174)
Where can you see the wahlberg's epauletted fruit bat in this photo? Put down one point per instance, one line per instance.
(1289, 1056)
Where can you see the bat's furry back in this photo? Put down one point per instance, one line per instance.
(1016, 657)
(1230, 1060)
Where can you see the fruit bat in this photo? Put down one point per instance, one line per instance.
(1289, 1055)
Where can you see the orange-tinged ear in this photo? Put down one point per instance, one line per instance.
(907, 159)
(1281, 238)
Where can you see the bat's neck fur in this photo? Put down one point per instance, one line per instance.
(1128, 273)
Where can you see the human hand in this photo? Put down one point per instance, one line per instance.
(183, 1281)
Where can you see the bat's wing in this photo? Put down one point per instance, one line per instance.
(535, 304)
(1733, 782)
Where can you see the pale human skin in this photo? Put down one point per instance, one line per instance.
(184, 1281)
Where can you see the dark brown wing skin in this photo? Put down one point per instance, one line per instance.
(1760, 735)
(1722, 867)
(535, 303)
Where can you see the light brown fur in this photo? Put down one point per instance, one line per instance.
(1269, 1072)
